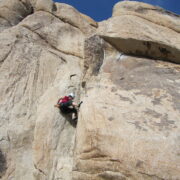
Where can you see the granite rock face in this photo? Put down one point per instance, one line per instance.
(125, 70)
(40, 60)
(151, 13)
(129, 121)
(143, 30)
(12, 12)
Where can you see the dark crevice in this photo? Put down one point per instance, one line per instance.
(54, 7)
(6, 56)
(72, 75)
(151, 175)
(64, 60)
(146, 49)
(83, 84)
(3, 164)
(41, 171)
(31, 10)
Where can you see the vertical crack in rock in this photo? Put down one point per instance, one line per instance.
(6, 56)
(94, 55)
(3, 164)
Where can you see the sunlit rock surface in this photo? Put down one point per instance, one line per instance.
(143, 30)
(129, 122)
(151, 13)
(125, 70)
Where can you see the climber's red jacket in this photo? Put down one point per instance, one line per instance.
(63, 100)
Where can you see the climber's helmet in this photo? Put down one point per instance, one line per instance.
(71, 95)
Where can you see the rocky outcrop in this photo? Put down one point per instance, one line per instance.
(12, 12)
(151, 13)
(128, 126)
(73, 17)
(129, 121)
(40, 60)
(133, 30)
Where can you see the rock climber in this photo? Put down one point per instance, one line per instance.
(66, 105)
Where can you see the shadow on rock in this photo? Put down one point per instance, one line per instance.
(3, 164)
(68, 117)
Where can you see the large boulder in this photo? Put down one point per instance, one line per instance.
(75, 18)
(129, 121)
(13, 12)
(151, 13)
(140, 35)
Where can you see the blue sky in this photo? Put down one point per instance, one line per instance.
(102, 9)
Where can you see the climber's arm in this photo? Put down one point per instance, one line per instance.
(74, 105)
(58, 103)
